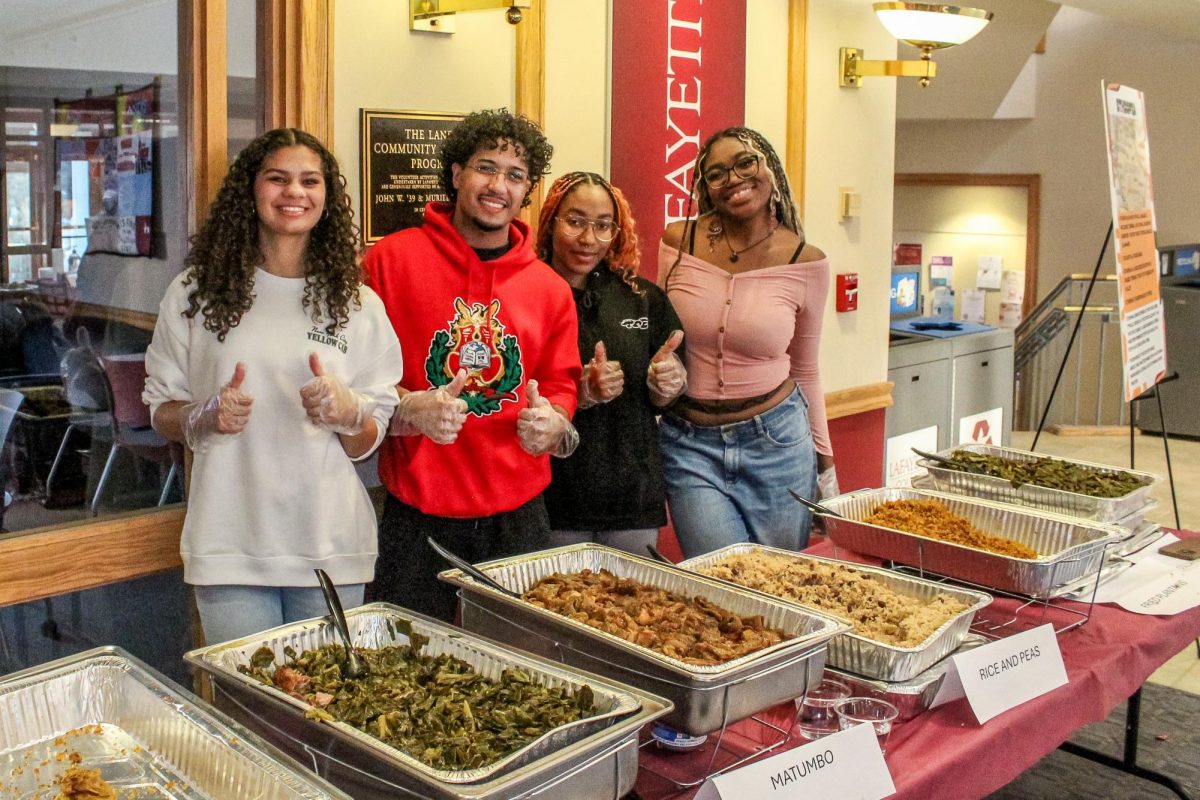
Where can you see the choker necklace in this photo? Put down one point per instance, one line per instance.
(734, 254)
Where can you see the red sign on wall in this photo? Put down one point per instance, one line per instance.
(678, 75)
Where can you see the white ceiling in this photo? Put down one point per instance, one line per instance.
(1179, 18)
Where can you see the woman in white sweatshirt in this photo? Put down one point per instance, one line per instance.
(274, 363)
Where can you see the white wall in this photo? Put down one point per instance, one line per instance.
(577, 80)
(1064, 142)
(850, 136)
(379, 63)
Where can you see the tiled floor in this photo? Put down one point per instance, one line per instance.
(1183, 671)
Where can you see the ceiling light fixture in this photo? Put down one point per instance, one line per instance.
(926, 26)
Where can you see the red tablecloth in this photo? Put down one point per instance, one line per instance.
(945, 753)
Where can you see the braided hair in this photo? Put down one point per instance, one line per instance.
(224, 252)
(782, 204)
(623, 257)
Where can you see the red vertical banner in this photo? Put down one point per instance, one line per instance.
(678, 75)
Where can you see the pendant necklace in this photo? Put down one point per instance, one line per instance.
(734, 254)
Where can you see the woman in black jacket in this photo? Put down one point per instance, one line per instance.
(611, 490)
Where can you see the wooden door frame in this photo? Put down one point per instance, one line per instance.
(1033, 211)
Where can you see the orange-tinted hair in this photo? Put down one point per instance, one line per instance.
(623, 256)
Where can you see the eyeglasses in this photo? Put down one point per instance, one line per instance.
(604, 229)
(515, 177)
(746, 167)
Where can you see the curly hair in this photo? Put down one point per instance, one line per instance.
(225, 251)
(622, 256)
(495, 130)
(783, 205)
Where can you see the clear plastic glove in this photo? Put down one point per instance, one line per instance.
(226, 412)
(827, 484)
(667, 377)
(602, 380)
(331, 404)
(436, 413)
(541, 429)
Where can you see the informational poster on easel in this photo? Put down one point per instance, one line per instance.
(1143, 335)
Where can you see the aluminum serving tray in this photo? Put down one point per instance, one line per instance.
(592, 753)
(147, 737)
(910, 697)
(860, 654)
(1069, 548)
(705, 697)
(1101, 509)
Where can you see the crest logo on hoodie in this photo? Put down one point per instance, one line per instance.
(475, 341)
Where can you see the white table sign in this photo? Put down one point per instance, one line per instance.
(844, 766)
(1005, 673)
(900, 462)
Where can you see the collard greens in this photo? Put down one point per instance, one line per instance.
(1049, 472)
(437, 709)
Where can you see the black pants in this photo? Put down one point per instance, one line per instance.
(406, 572)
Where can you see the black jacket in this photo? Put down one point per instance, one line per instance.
(614, 480)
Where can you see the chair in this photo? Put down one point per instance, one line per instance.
(85, 387)
(125, 376)
(10, 402)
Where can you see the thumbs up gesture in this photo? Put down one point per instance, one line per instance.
(666, 376)
(602, 380)
(330, 403)
(226, 412)
(542, 429)
(436, 413)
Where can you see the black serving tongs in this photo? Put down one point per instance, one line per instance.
(470, 569)
(355, 666)
(816, 508)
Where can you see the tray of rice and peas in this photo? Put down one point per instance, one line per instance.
(901, 625)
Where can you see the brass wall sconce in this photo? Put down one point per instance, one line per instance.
(926, 26)
(437, 16)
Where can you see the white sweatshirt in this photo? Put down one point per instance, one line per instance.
(268, 505)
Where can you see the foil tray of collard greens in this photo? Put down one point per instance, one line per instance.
(436, 708)
(437, 701)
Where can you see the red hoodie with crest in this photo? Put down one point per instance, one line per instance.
(505, 321)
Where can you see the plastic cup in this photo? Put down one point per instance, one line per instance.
(817, 715)
(857, 710)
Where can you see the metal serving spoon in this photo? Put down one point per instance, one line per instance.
(355, 666)
(816, 508)
(470, 569)
(657, 556)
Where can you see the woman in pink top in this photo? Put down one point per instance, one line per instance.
(750, 293)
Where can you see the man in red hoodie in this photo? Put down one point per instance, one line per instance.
(491, 367)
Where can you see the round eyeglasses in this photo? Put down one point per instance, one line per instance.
(746, 167)
(605, 230)
(515, 177)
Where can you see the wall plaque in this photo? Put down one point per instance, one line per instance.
(400, 167)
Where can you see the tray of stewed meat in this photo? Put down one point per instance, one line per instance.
(719, 652)
(994, 545)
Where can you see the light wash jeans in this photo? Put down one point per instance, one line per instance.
(632, 540)
(729, 483)
(231, 612)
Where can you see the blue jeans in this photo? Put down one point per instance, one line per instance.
(232, 612)
(729, 483)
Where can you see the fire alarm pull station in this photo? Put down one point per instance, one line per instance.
(847, 292)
